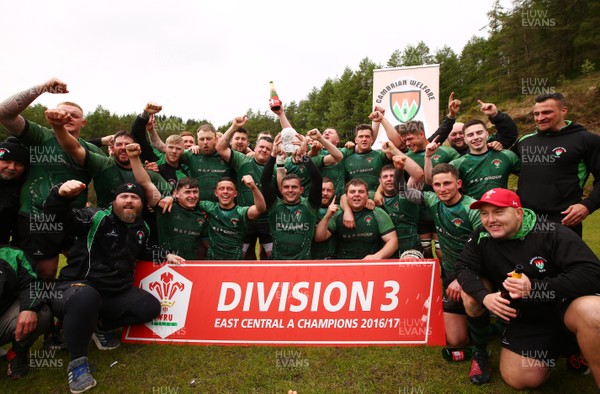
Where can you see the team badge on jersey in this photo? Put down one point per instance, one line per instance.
(457, 222)
(496, 163)
(436, 158)
(140, 235)
(539, 263)
(234, 222)
(368, 219)
(369, 159)
(558, 151)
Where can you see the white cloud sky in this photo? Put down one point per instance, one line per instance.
(213, 60)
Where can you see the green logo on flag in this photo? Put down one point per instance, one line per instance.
(405, 105)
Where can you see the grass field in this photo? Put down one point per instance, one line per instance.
(223, 369)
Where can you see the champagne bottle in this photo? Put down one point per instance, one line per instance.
(517, 273)
(456, 354)
(274, 101)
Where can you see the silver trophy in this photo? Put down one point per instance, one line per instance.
(288, 136)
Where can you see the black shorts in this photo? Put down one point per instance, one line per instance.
(544, 338)
(450, 306)
(260, 230)
(41, 237)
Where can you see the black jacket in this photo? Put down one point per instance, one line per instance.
(17, 281)
(557, 262)
(9, 207)
(555, 166)
(105, 249)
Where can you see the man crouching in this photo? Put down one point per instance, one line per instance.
(97, 283)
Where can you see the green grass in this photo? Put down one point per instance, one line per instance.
(228, 369)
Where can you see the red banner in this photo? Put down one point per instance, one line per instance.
(316, 303)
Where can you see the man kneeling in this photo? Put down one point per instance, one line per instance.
(552, 308)
(97, 284)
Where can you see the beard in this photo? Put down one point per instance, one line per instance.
(126, 216)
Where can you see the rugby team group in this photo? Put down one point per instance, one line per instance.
(518, 256)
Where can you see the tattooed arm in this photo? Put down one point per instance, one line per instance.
(11, 108)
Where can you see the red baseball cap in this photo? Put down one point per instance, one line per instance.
(498, 197)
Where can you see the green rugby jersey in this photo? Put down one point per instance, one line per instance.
(365, 238)
(323, 250)
(454, 225)
(168, 172)
(207, 169)
(405, 216)
(226, 230)
(336, 172)
(481, 173)
(49, 165)
(365, 166)
(180, 230)
(245, 165)
(292, 228)
(444, 154)
(300, 170)
(108, 175)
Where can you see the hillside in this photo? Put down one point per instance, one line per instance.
(583, 102)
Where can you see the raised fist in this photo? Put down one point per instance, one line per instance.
(54, 86)
(399, 161)
(314, 134)
(71, 188)
(133, 150)
(153, 108)
(376, 116)
(248, 181)
(57, 117)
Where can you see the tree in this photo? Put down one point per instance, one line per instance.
(416, 55)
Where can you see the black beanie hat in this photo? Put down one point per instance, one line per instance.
(130, 188)
(11, 149)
